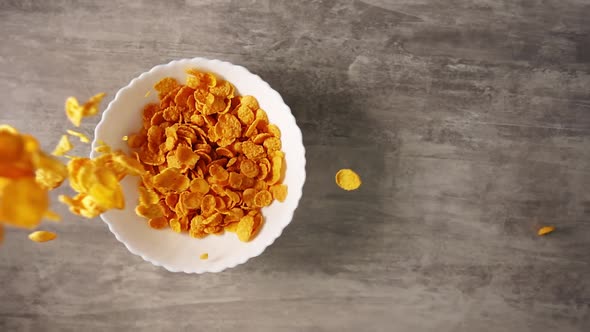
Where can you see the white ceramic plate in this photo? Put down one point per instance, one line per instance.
(179, 252)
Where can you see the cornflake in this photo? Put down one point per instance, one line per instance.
(83, 138)
(545, 230)
(42, 236)
(348, 180)
(75, 112)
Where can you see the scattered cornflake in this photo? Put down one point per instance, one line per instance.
(279, 192)
(50, 173)
(24, 203)
(64, 145)
(42, 236)
(83, 138)
(545, 230)
(26, 174)
(347, 179)
(75, 112)
(204, 256)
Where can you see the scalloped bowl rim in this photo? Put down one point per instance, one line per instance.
(295, 192)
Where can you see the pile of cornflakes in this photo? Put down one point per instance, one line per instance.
(213, 159)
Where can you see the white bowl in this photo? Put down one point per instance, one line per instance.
(179, 252)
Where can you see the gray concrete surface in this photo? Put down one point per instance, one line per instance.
(469, 122)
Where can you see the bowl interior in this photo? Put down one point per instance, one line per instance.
(179, 252)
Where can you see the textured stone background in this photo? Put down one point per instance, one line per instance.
(468, 120)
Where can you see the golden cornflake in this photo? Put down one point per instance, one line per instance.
(249, 168)
(149, 211)
(50, 172)
(165, 86)
(158, 223)
(347, 179)
(274, 130)
(171, 179)
(63, 146)
(147, 196)
(199, 185)
(252, 151)
(272, 144)
(75, 112)
(83, 138)
(545, 230)
(279, 192)
(262, 198)
(208, 205)
(23, 203)
(245, 228)
(175, 225)
(276, 171)
(245, 115)
(42, 236)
